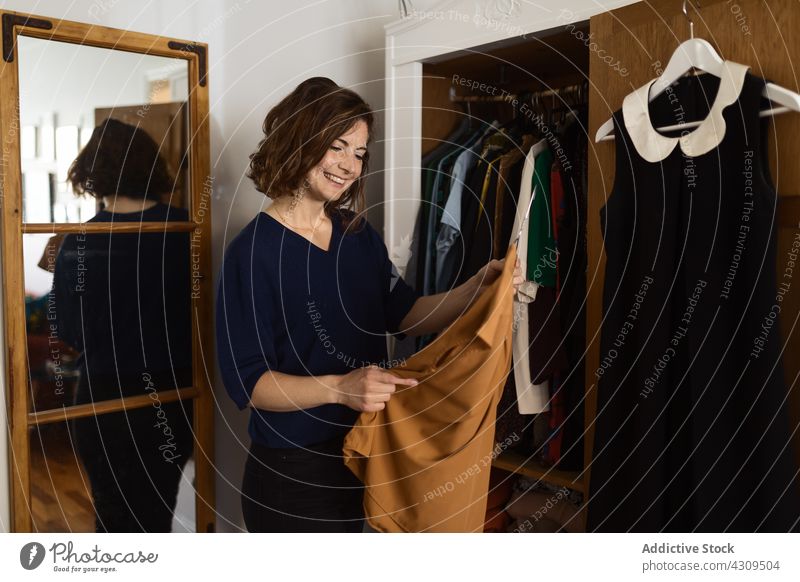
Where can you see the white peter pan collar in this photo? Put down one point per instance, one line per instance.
(654, 147)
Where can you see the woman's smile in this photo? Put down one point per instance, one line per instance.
(336, 180)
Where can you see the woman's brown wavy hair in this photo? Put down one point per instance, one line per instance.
(120, 159)
(297, 134)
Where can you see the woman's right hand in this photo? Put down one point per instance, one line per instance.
(368, 389)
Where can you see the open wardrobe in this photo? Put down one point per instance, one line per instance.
(640, 162)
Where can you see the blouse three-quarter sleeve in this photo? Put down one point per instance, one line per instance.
(245, 336)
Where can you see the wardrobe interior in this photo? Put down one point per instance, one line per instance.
(535, 88)
(636, 41)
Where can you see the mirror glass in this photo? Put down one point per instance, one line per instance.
(66, 92)
(114, 472)
(107, 315)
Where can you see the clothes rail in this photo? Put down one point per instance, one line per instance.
(508, 97)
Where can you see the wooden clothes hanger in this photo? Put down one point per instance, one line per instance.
(697, 53)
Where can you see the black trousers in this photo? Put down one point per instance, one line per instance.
(134, 461)
(301, 490)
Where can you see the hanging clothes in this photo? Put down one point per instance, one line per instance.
(572, 261)
(425, 458)
(421, 241)
(449, 241)
(541, 267)
(415, 268)
(546, 352)
(480, 216)
(441, 183)
(509, 177)
(473, 201)
(545, 347)
(477, 238)
(551, 450)
(692, 431)
(557, 209)
(531, 398)
(510, 421)
(476, 186)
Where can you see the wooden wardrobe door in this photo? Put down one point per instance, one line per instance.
(632, 45)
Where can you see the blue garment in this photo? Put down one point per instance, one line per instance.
(122, 300)
(441, 183)
(449, 247)
(420, 268)
(285, 304)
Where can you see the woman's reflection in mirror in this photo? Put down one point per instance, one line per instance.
(123, 301)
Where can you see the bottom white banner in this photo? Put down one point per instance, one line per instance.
(392, 557)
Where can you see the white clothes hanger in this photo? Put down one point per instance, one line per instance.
(697, 53)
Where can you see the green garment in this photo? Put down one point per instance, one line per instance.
(541, 259)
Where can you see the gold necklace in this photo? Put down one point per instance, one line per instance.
(312, 229)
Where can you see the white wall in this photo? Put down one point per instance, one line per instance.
(71, 80)
(258, 52)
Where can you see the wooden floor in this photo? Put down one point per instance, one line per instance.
(60, 492)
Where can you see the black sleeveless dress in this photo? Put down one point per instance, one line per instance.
(692, 429)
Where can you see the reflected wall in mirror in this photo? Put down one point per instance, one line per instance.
(114, 472)
(66, 90)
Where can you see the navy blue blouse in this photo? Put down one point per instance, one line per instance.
(123, 299)
(285, 304)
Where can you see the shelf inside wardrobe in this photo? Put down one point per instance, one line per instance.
(521, 465)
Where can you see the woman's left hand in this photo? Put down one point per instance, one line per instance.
(491, 271)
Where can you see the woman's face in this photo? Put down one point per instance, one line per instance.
(341, 164)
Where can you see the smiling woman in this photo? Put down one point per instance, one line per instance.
(307, 138)
(307, 295)
(306, 290)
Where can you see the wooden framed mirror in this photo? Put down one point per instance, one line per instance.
(107, 293)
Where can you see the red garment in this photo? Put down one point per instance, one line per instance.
(557, 211)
